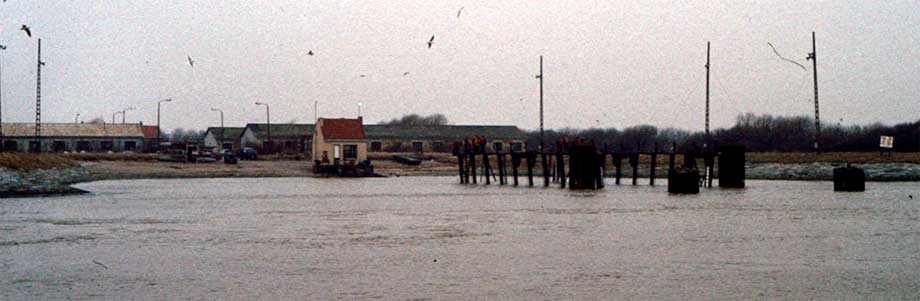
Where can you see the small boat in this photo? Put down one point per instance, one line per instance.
(407, 160)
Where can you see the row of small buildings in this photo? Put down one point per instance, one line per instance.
(277, 138)
(298, 138)
(78, 137)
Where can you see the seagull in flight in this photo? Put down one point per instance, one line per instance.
(459, 11)
(27, 30)
(310, 53)
(430, 41)
(190, 61)
(3, 47)
(405, 73)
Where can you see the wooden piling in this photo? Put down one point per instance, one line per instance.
(599, 169)
(473, 165)
(634, 163)
(515, 163)
(501, 168)
(545, 170)
(560, 167)
(460, 167)
(651, 179)
(531, 159)
(486, 169)
(618, 165)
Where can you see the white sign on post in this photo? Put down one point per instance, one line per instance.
(886, 142)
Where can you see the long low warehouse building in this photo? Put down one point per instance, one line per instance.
(77, 137)
(297, 138)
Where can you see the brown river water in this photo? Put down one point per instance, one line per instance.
(431, 238)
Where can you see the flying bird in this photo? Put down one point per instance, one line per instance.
(405, 73)
(27, 30)
(310, 52)
(100, 264)
(430, 41)
(785, 59)
(362, 75)
(190, 61)
(3, 47)
(459, 11)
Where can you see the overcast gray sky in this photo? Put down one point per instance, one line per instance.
(607, 63)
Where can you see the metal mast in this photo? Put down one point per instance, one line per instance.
(541, 103)
(707, 93)
(38, 97)
(814, 66)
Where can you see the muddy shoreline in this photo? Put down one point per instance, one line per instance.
(58, 181)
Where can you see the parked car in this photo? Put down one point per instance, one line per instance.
(248, 153)
(229, 157)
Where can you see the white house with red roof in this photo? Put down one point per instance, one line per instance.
(341, 139)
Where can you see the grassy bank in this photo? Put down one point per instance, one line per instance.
(29, 162)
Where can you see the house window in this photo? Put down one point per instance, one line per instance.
(58, 146)
(83, 146)
(438, 146)
(497, 146)
(107, 145)
(517, 146)
(130, 145)
(10, 145)
(35, 146)
(376, 146)
(417, 146)
(336, 152)
(227, 146)
(351, 152)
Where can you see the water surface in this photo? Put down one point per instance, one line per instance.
(428, 237)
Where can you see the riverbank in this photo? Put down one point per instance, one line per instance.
(38, 175)
(31, 175)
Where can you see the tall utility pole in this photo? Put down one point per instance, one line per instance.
(220, 144)
(38, 98)
(705, 143)
(2, 148)
(268, 124)
(814, 67)
(541, 103)
(158, 120)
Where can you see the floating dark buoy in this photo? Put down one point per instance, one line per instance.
(731, 165)
(849, 178)
(684, 180)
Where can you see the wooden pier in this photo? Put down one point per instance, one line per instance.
(579, 164)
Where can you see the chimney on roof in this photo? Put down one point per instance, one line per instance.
(361, 119)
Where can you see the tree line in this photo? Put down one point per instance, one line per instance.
(759, 133)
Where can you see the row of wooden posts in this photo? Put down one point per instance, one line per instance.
(587, 165)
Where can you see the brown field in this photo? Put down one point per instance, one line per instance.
(27, 162)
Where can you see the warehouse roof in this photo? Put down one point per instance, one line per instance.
(229, 132)
(27, 129)
(443, 132)
(290, 130)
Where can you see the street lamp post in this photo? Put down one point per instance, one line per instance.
(158, 119)
(115, 114)
(268, 123)
(220, 143)
(123, 113)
